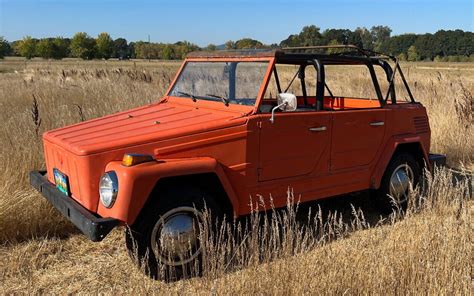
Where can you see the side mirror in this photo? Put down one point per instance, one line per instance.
(286, 102)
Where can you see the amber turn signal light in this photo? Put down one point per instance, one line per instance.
(131, 159)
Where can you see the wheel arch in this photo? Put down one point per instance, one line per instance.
(207, 181)
(412, 146)
(139, 184)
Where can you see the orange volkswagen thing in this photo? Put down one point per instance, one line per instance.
(234, 125)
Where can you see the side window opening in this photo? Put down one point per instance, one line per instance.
(296, 79)
(399, 92)
(351, 87)
(286, 78)
(383, 81)
(352, 81)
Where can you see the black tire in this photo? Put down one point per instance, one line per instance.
(383, 195)
(138, 236)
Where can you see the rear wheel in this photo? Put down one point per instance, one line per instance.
(402, 171)
(164, 241)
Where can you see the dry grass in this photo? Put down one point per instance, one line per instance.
(428, 252)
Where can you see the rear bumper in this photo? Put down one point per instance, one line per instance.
(95, 228)
(437, 160)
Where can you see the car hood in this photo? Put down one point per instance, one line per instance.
(145, 124)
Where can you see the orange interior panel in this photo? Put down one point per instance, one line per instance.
(336, 103)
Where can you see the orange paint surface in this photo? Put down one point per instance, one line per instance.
(250, 155)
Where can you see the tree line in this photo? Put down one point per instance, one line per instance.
(452, 45)
(83, 46)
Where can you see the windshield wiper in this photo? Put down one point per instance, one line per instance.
(193, 97)
(224, 100)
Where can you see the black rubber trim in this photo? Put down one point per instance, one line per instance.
(437, 160)
(95, 228)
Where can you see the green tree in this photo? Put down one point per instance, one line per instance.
(131, 50)
(26, 47)
(144, 50)
(309, 35)
(397, 45)
(380, 35)
(121, 49)
(182, 48)
(230, 44)
(247, 43)
(402, 56)
(426, 47)
(167, 53)
(292, 41)
(341, 36)
(452, 43)
(82, 46)
(5, 48)
(45, 48)
(355, 39)
(365, 37)
(412, 54)
(210, 47)
(464, 43)
(105, 46)
(61, 47)
(334, 50)
(14, 48)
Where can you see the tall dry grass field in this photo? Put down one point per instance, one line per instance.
(346, 247)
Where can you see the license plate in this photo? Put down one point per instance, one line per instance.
(62, 182)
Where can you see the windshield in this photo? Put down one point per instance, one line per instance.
(229, 82)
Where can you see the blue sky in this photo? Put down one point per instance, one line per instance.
(212, 21)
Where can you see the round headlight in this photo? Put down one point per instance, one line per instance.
(108, 189)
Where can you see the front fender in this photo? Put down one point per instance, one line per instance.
(388, 152)
(137, 182)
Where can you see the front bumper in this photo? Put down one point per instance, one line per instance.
(94, 227)
(437, 160)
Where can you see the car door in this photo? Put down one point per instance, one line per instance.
(294, 145)
(356, 137)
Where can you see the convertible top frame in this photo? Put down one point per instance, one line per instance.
(319, 58)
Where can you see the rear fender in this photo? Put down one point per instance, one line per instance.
(137, 182)
(392, 147)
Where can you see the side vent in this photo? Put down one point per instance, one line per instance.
(421, 124)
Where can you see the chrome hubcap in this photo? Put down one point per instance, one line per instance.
(400, 180)
(175, 236)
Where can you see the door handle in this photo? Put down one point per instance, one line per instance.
(317, 129)
(377, 123)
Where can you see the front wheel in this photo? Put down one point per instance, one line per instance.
(402, 171)
(164, 241)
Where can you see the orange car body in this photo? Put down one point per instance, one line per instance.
(251, 156)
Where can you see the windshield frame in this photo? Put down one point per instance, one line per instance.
(263, 85)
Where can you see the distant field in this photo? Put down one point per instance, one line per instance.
(428, 252)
